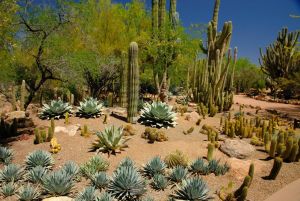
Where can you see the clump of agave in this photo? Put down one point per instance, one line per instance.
(90, 107)
(11, 173)
(110, 140)
(158, 115)
(8, 189)
(178, 174)
(95, 165)
(88, 194)
(159, 182)
(28, 192)
(56, 109)
(6, 155)
(154, 166)
(39, 158)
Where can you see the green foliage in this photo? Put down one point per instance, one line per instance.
(94, 165)
(36, 174)
(6, 155)
(28, 193)
(8, 189)
(159, 182)
(110, 140)
(199, 167)
(100, 180)
(105, 197)
(90, 107)
(127, 184)
(192, 189)
(126, 162)
(39, 158)
(158, 115)
(154, 166)
(88, 194)
(11, 173)
(56, 109)
(71, 169)
(178, 174)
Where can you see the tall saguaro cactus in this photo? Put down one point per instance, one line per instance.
(172, 13)
(123, 81)
(133, 83)
(154, 18)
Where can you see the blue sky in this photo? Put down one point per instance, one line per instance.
(255, 22)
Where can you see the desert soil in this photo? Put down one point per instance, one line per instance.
(76, 148)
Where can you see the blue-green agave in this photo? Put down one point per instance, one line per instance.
(39, 158)
(56, 109)
(90, 107)
(6, 155)
(155, 166)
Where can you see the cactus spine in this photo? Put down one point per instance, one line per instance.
(133, 83)
(123, 81)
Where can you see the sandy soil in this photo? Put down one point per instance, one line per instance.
(76, 148)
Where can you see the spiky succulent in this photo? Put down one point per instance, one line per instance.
(127, 184)
(11, 173)
(154, 166)
(90, 107)
(158, 115)
(71, 168)
(58, 183)
(105, 197)
(176, 158)
(36, 174)
(126, 162)
(100, 180)
(215, 167)
(178, 174)
(110, 140)
(39, 158)
(159, 182)
(88, 194)
(199, 167)
(28, 193)
(6, 155)
(8, 189)
(94, 165)
(56, 109)
(148, 199)
(194, 189)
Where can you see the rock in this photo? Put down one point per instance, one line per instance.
(62, 198)
(25, 123)
(194, 105)
(70, 130)
(119, 111)
(237, 148)
(5, 106)
(194, 116)
(239, 168)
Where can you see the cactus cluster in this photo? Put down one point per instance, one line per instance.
(154, 134)
(41, 135)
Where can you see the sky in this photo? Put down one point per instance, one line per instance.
(256, 23)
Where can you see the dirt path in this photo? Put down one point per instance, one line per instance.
(293, 111)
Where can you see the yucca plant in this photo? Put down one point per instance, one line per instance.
(8, 189)
(28, 193)
(94, 165)
(194, 189)
(110, 140)
(127, 184)
(71, 168)
(176, 158)
(36, 174)
(11, 173)
(6, 155)
(199, 167)
(88, 194)
(154, 166)
(90, 107)
(158, 115)
(100, 180)
(56, 109)
(39, 158)
(159, 182)
(105, 197)
(58, 183)
(178, 174)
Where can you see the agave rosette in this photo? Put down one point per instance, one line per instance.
(90, 107)
(56, 109)
(158, 114)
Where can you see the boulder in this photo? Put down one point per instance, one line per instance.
(71, 130)
(61, 198)
(237, 148)
(24, 122)
(194, 116)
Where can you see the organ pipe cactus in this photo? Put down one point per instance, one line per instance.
(133, 83)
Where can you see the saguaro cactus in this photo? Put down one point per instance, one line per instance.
(133, 83)
(123, 81)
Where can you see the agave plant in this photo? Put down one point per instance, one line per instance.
(94, 165)
(126, 162)
(148, 199)
(6, 155)
(157, 115)
(71, 169)
(100, 180)
(36, 174)
(56, 109)
(39, 158)
(199, 167)
(160, 182)
(11, 173)
(90, 107)
(8, 189)
(154, 166)
(28, 193)
(105, 197)
(88, 194)
(58, 183)
(192, 189)
(215, 167)
(178, 174)
(127, 184)
(110, 140)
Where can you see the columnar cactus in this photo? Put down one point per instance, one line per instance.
(154, 17)
(13, 98)
(133, 83)
(276, 168)
(22, 98)
(123, 81)
(172, 13)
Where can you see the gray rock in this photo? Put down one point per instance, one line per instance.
(237, 148)
(62, 198)
(70, 130)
